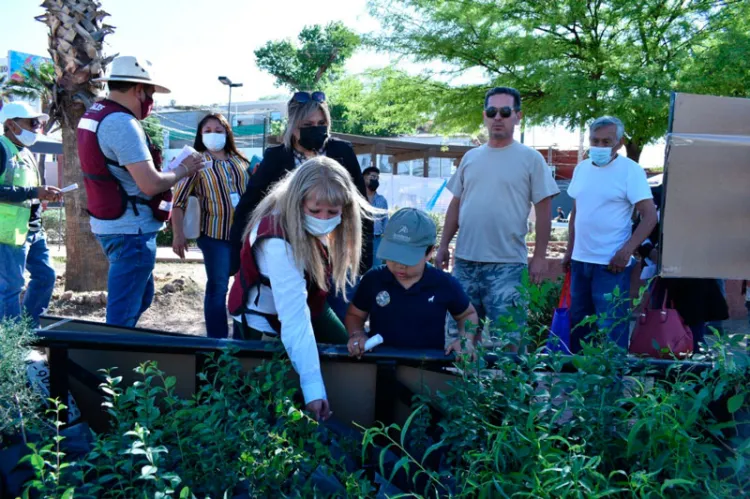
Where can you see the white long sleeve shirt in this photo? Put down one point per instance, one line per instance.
(287, 298)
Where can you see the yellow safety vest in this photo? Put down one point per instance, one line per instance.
(20, 171)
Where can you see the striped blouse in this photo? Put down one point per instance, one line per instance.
(214, 187)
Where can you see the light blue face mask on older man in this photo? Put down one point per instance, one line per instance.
(600, 156)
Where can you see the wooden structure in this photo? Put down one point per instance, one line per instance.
(400, 151)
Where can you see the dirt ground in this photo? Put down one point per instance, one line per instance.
(177, 305)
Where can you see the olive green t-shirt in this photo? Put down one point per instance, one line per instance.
(497, 188)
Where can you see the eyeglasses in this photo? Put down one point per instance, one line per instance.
(505, 112)
(305, 97)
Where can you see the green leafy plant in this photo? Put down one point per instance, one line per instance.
(528, 426)
(19, 404)
(53, 221)
(240, 432)
(48, 462)
(525, 424)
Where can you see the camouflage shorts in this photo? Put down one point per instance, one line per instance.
(492, 289)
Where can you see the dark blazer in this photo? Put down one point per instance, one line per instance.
(277, 161)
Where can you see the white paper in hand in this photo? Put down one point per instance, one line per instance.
(649, 271)
(373, 342)
(191, 224)
(184, 154)
(69, 188)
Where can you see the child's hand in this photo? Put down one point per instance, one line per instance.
(356, 344)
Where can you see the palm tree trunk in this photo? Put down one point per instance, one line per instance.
(86, 266)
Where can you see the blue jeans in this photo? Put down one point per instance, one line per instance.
(34, 257)
(216, 257)
(376, 262)
(130, 283)
(591, 289)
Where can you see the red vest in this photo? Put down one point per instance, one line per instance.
(107, 199)
(249, 277)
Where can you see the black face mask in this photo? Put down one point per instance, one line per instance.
(313, 138)
(373, 185)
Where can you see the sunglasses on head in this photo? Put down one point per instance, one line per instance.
(305, 97)
(505, 111)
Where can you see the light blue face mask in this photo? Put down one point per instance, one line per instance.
(600, 156)
(319, 227)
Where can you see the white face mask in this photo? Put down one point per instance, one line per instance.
(319, 227)
(214, 141)
(27, 138)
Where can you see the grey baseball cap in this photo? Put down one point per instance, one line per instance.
(407, 236)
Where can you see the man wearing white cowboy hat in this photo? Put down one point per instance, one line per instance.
(128, 195)
(22, 242)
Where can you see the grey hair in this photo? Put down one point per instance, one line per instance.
(298, 112)
(606, 121)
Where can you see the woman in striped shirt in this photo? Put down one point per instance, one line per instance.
(218, 189)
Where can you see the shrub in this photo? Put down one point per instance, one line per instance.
(19, 404)
(531, 428)
(53, 221)
(164, 236)
(528, 425)
(240, 433)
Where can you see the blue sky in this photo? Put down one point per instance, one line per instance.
(192, 42)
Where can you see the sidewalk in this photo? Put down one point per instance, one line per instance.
(163, 254)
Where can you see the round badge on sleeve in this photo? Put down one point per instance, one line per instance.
(383, 298)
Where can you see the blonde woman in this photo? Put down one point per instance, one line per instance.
(304, 238)
(218, 189)
(307, 135)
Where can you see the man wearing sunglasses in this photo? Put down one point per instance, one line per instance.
(494, 188)
(22, 242)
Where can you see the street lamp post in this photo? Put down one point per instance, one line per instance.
(226, 81)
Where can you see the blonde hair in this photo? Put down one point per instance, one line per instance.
(296, 114)
(331, 183)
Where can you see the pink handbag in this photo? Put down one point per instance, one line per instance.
(661, 333)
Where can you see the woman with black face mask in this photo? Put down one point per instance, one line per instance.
(307, 135)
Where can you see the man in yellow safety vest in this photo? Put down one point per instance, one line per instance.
(22, 243)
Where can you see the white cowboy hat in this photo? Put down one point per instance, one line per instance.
(133, 69)
(18, 109)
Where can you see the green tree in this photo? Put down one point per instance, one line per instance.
(155, 131)
(572, 60)
(722, 67)
(383, 102)
(319, 57)
(4, 92)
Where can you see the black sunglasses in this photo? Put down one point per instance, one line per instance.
(305, 97)
(35, 123)
(505, 112)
